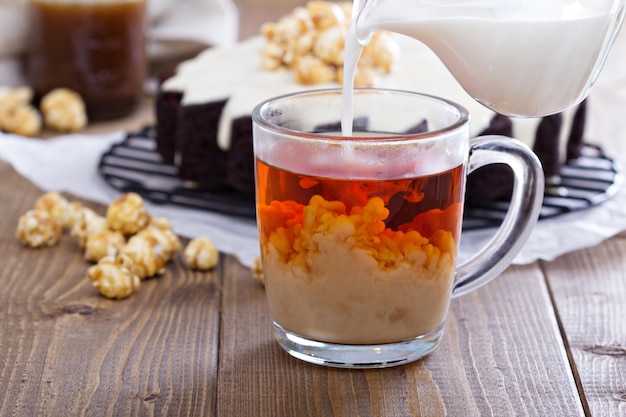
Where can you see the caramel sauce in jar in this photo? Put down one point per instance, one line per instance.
(95, 47)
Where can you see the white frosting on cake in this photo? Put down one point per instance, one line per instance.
(234, 74)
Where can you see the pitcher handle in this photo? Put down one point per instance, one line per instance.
(520, 218)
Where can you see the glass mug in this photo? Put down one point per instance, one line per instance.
(359, 235)
(94, 47)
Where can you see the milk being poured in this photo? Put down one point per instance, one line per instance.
(519, 58)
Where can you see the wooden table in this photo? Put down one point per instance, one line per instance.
(547, 339)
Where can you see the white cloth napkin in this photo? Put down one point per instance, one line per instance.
(175, 28)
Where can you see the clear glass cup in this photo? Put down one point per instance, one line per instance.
(359, 235)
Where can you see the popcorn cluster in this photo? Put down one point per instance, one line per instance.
(310, 41)
(62, 110)
(112, 279)
(38, 229)
(17, 115)
(201, 254)
(127, 245)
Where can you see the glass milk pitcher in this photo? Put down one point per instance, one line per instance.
(517, 57)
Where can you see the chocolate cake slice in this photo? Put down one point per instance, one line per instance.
(240, 160)
(199, 157)
(204, 125)
(495, 182)
(166, 109)
(491, 182)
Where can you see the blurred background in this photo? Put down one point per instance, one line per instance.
(177, 29)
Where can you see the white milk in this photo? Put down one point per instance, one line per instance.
(515, 60)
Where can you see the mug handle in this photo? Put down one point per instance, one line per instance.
(521, 217)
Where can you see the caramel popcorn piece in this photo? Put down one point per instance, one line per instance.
(38, 229)
(326, 14)
(21, 120)
(165, 238)
(112, 279)
(201, 254)
(64, 110)
(304, 44)
(288, 27)
(257, 270)
(59, 208)
(105, 243)
(16, 113)
(15, 97)
(329, 45)
(127, 214)
(381, 53)
(144, 256)
(87, 223)
(271, 57)
(162, 223)
(312, 70)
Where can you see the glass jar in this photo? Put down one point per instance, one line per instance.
(94, 47)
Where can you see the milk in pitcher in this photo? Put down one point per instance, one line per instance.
(519, 58)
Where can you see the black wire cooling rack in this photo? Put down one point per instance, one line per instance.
(133, 165)
(587, 181)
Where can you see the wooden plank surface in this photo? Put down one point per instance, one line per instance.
(503, 339)
(502, 355)
(589, 289)
(68, 351)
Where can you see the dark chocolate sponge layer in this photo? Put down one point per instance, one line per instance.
(187, 136)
